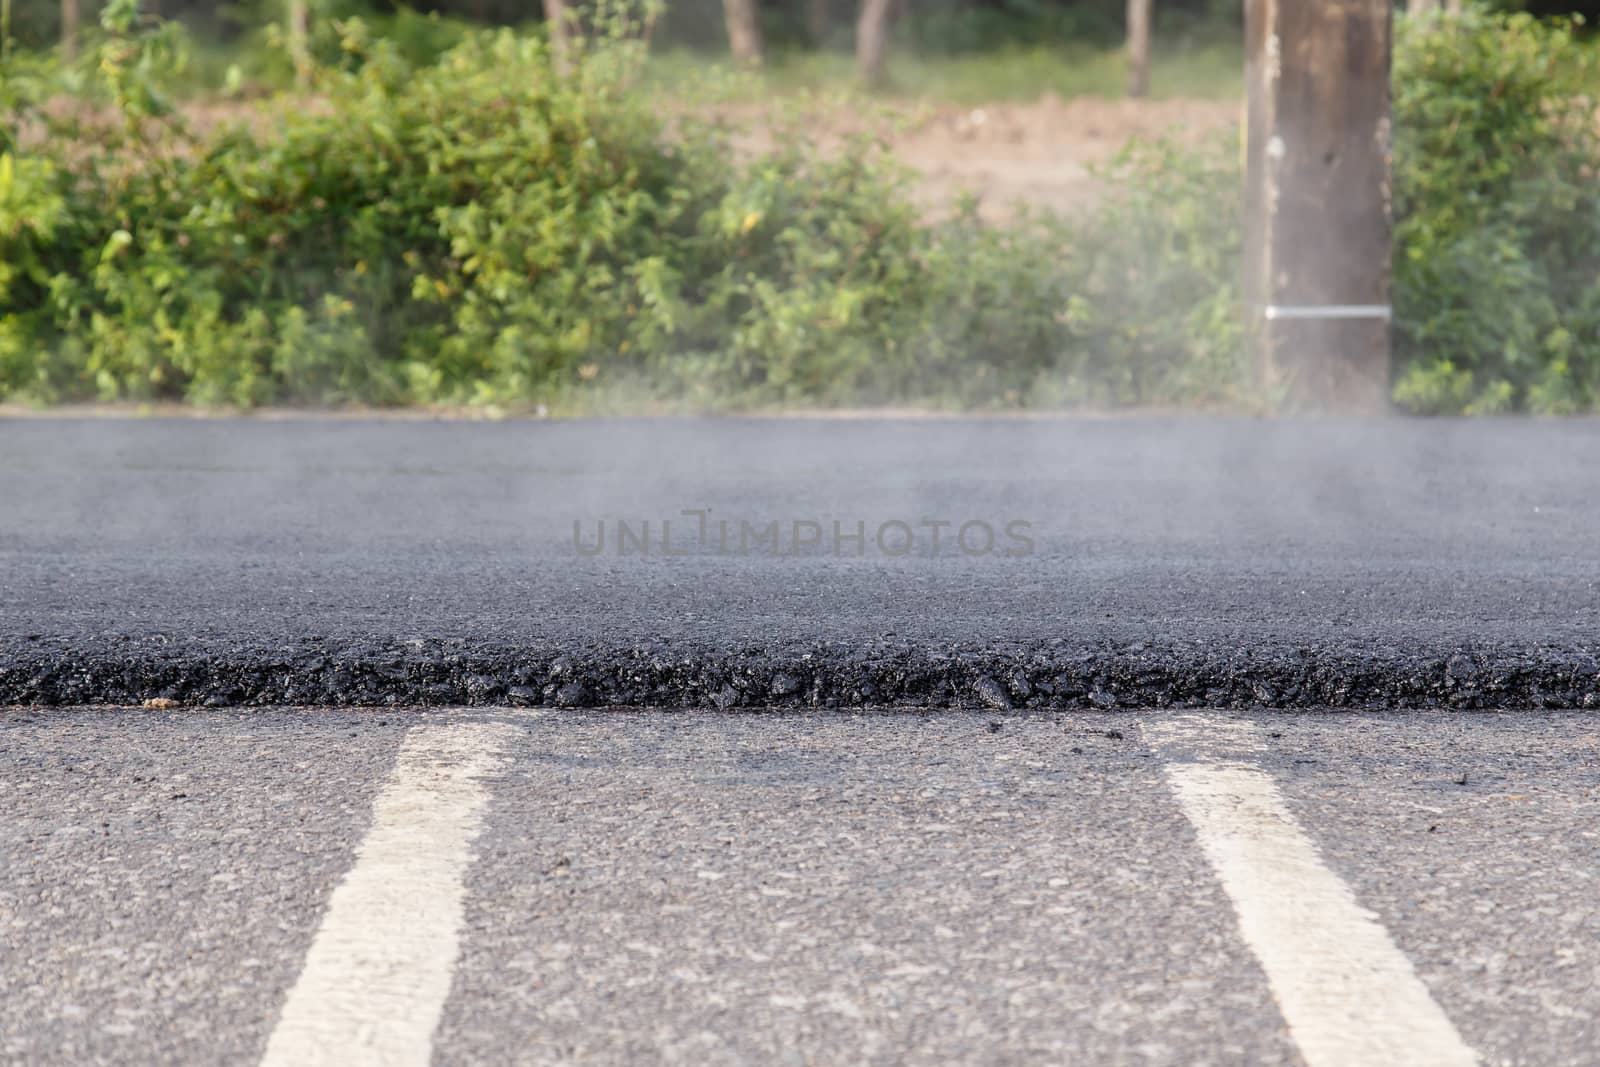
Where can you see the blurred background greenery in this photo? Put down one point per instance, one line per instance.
(965, 50)
(354, 203)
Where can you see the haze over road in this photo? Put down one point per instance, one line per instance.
(1159, 562)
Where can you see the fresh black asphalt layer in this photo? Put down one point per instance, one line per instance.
(1147, 562)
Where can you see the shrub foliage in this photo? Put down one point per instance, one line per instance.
(490, 229)
(1497, 205)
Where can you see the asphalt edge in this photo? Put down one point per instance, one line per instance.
(38, 671)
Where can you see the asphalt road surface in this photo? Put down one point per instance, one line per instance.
(974, 768)
(291, 886)
(759, 563)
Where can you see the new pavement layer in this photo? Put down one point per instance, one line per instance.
(824, 562)
(491, 886)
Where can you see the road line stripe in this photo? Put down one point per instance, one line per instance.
(1350, 996)
(379, 969)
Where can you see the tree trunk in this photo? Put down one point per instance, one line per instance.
(872, 32)
(558, 27)
(70, 19)
(300, 42)
(818, 21)
(1138, 48)
(744, 31)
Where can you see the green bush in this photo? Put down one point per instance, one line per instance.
(484, 229)
(1156, 304)
(1497, 217)
(465, 232)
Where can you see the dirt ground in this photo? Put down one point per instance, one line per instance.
(1007, 154)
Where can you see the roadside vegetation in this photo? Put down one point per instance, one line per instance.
(485, 223)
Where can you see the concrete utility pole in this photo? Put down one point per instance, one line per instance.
(1318, 224)
(1138, 48)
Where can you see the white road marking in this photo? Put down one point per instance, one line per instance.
(379, 970)
(1349, 995)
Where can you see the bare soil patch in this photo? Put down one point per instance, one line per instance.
(1008, 155)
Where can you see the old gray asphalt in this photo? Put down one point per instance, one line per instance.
(1174, 562)
(809, 887)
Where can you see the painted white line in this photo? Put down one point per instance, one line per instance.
(1349, 995)
(379, 969)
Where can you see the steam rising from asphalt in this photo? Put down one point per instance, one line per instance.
(344, 560)
(1233, 486)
